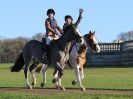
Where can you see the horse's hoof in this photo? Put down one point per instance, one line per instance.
(30, 87)
(62, 88)
(82, 89)
(56, 87)
(42, 85)
(54, 80)
(74, 82)
(33, 84)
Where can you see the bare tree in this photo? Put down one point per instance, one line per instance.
(10, 48)
(126, 36)
(38, 36)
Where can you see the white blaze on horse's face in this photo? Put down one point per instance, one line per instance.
(98, 49)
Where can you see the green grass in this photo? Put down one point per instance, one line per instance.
(63, 96)
(107, 78)
(114, 78)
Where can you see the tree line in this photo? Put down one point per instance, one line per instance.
(11, 48)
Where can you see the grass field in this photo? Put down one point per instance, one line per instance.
(63, 96)
(106, 78)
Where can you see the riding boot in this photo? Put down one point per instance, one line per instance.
(46, 50)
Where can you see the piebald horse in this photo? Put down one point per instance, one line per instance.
(77, 60)
(58, 54)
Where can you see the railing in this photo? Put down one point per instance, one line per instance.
(114, 54)
(110, 47)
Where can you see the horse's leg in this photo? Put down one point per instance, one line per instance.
(81, 72)
(60, 71)
(44, 70)
(77, 71)
(81, 62)
(26, 69)
(73, 60)
(27, 59)
(76, 67)
(33, 78)
(57, 78)
(58, 83)
(32, 71)
(73, 63)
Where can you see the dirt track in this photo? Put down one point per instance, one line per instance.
(68, 90)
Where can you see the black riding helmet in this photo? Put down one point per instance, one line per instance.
(68, 16)
(50, 11)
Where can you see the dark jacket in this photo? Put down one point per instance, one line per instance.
(66, 27)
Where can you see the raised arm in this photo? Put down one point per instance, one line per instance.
(80, 17)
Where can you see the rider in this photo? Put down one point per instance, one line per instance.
(69, 21)
(52, 28)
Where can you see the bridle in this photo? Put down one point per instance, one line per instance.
(89, 41)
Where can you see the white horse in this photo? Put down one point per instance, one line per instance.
(77, 59)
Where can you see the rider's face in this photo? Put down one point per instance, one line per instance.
(68, 21)
(51, 15)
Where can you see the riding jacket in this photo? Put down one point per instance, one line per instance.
(66, 27)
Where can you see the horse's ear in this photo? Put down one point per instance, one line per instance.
(89, 32)
(94, 32)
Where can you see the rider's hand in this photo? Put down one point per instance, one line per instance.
(62, 32)
(56, 33)
(81, 11)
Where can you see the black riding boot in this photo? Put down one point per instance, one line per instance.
(46, 51)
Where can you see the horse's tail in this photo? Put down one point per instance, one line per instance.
(19, 63)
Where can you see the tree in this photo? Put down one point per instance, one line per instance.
(38, 36)
(125, 36)
(10, 48)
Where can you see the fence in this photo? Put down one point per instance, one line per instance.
(112, 54)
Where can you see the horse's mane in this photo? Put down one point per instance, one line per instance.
(57, 40)
(71, 29)
(85, 35)
(60, 37)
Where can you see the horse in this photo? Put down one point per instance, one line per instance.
(77, 60)
(78, 57)
(58, 54)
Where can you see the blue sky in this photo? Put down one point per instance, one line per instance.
(26, 17)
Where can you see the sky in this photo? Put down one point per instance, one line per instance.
(25, 18)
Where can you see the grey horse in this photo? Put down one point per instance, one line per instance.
(58, 53)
